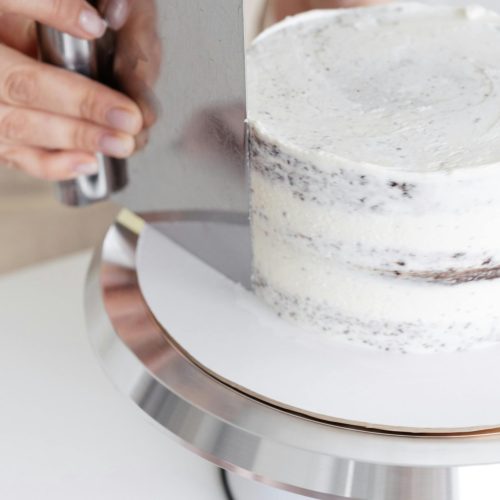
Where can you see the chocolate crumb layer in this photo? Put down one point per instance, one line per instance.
(453, 276)
(457, 267)
(388, 336)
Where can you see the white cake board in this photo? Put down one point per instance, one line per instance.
(235, 336)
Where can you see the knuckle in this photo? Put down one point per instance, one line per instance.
(84, 138)
(90, 108)
(8, 160)
(21, 86)
(13, 125)
(35, 164)
(43, 168)
(57, 8)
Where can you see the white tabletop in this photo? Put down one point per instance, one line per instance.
(65, 432)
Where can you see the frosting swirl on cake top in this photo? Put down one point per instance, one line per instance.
(413, 88)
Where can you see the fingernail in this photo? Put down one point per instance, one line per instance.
(87, 169)
(92, 23)
(115, 146)
(124, 120)
(117, 13)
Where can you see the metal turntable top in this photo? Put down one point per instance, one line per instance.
(246, 435)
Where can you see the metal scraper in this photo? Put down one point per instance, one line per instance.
(196, 155)
(185, 59)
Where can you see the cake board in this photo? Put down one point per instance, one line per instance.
(236, 337)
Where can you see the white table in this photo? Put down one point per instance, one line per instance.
(65, 432)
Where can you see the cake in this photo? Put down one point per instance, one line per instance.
(375, 175)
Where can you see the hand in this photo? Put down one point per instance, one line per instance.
(139, 59)
(52, 121)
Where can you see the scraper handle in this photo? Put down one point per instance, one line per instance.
(93, 59)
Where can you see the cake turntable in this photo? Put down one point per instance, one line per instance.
(151, 319)
(254, 438)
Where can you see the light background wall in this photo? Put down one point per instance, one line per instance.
(34, 227)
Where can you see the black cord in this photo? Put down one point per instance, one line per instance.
(225, 485)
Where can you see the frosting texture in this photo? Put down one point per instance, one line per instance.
(375, 166)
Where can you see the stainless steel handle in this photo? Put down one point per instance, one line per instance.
(93, 59)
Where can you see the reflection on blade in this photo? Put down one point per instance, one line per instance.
(195, 66)
(223, 244)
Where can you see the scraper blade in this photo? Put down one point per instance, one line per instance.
(196, 155)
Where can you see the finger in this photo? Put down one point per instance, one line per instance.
(34, 128)
(51, 166)
(76, 17)
(31, 84)
(19, 33)
(146, 99)
(139, 57)
(115, 12)
(139, 46)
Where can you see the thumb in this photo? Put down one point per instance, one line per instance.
(76, 17)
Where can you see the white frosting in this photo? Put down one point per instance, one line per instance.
(351, 237)
(364, 308)
(375, 155)
(400, 87)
